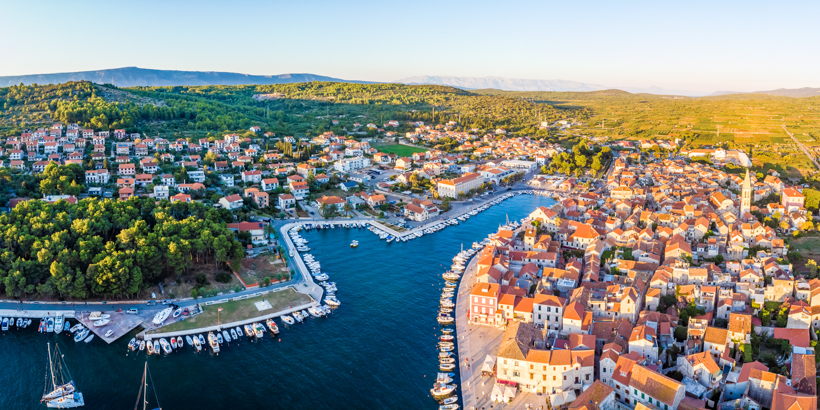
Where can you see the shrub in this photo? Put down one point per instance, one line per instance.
(223, 278)
(194, 293)
(266, 282)
(201, 279)
(279, 276)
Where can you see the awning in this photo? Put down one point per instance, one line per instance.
(489, 364)
(562, 398)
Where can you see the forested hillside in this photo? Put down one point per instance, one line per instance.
(107, 248)
(300, 109)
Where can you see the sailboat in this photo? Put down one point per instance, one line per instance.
(143, 393)
(63, 395)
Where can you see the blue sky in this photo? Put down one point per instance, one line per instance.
(684, 45)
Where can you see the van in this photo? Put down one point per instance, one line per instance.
(132, 311)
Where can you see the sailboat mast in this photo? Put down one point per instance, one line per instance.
(51, 366)
(145, 385)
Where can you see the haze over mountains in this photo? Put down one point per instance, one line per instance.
(134, 76)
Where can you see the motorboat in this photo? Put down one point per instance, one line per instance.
(157, 349)
(66, 326)
(248, 330)
(196, 344)
(233, 334)
(442, 389)
(58, 323)
(163, 314)
(287, 319)
(189, 340)
(447, 330)
(166, 347)
(89, 338)
(226, 337)
(101, 322)
(180, 342)
(332, 301)
(150, 348)
(109, 333)
(445, 318)
(297, 316)
(75, 328)
(177, 312)
(272, 326)
(354, 244)
(451, 276)
(81, 335)
(446, 348)
(219, 338)
(49, 324)
(446, 338)
(142, 345)
(201, 340)
(258, 330)
(42, 325)
(451, 406)
(239, 331)
(447, 360)
(174, 342)
(5, 324)
(19, 322)
(447, 366)
(133, 344)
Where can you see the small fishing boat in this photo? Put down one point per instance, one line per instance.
(76, 327)
(214, 342)
(233, 334)
(49, 325)
(219, 338)
(42, 325)
(354, 244)
(446, 337)
(447, 330)
(451, 406)
(66, 326)
(174, 342)
(180, 342)
(166, 347)
(132, 344)
(258, 330)
(439, 389)
(446, 348)
(150, 348)
(162, 315)
(142, 345)
(177, 313)
(81, 335)
(332, 301)
(201, 340)
(19, 322)
(157, 349)
(196, 343)
(109, 333)
(444, 319)
(239, 331)
(189, 340)
(58, 323)
(449, 400)
(446, 367)
(248, 331)
(101, 322)
(89, 338)
(447, 360)
(226, 337)
(287, 319)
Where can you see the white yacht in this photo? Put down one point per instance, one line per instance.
(162, 315)
(63, 393)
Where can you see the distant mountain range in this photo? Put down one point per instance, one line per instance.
(501, 83)
(780, 92)
(134, 76)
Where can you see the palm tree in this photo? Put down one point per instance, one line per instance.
(269, 231)
(348, 208)
(323, 209)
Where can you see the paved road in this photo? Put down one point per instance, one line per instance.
(802, 147)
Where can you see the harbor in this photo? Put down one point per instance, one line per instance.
(377, 311)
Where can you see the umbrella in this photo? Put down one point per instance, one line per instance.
(489, 364)
(561, 398)
(497, 393)
(509, 394)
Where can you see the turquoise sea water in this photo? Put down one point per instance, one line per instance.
(378, 350)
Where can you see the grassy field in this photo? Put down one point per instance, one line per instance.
(809, 247)
(400, 150)
(238, 310)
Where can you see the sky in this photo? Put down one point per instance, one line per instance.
(699, 47)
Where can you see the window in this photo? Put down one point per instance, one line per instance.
(587, 377)
(548, 309)
(650, 400)
(531, 376)
(516, 374)
(643, 396)
(634, 390)
(553, 378)
(565, 377)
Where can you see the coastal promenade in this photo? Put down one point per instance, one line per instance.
(475, 343)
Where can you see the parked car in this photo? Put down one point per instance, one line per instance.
(151, 303)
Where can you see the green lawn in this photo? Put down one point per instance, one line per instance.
(238, 310)
(400, 150)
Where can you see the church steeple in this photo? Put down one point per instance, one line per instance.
(746, 196)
